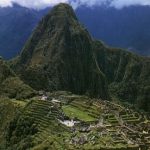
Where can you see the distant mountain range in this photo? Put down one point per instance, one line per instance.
(16, 25)
(126, 28)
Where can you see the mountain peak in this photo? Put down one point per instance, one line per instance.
(63, 7)
(63, 10)
(59, 55)
(54, 32)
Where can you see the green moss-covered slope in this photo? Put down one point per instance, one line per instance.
(128, 74)
(7, 113)
(58, 56)
(10, 85)
(61, 55)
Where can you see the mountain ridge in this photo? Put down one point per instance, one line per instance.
(61, 55)
(127, 74)
(62, 49)
(16, 25)
(102, 26)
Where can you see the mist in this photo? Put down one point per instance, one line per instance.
(41, 4)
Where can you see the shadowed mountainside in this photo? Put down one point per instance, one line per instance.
(128, 74)
(58, 56)
(61, 55)
(10, 85)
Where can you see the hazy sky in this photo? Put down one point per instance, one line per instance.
(40, 4)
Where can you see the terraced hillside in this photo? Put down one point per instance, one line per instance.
(45, 114)
(40, 118)
(67, 121)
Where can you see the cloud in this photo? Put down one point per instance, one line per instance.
(37, 4)
(125, 3)
(40, 4)
(5, 3)
(89, 3)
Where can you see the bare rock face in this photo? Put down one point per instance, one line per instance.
(59, 56)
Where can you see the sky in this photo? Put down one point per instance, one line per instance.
(41, 4)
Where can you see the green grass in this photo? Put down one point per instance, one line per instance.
(21, 103)
(74, 112)
(90, 109)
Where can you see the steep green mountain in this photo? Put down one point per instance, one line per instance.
(10, 85)
(128, 75)
(59, 56)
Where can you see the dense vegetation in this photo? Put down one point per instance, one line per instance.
(61, 55)
(58, 56)
(11, 86)
(19, 132)
(7, 113)
(128, 74)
